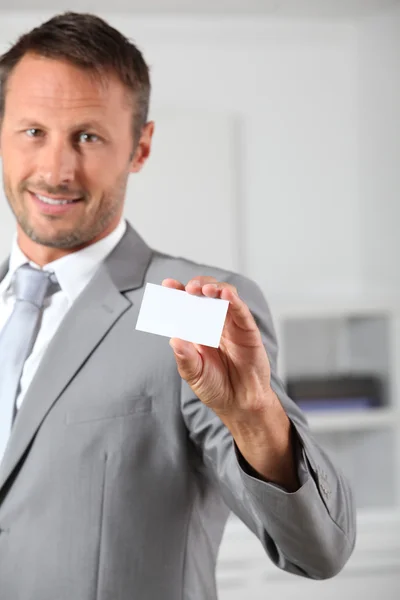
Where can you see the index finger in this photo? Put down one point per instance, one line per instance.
(173, 283)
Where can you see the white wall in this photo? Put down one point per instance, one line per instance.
(292, 89)
(379, 114)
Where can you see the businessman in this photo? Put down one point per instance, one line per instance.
(122, 454)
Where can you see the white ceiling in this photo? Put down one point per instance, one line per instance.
(277, 8)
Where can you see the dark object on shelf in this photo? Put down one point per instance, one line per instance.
(341, 392)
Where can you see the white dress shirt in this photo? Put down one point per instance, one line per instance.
(73, 271)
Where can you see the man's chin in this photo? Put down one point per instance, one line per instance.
(60, 241)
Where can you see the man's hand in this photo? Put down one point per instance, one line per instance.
(234, 381)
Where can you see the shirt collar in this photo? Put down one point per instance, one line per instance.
(75, 270)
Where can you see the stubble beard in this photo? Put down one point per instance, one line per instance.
(81, 235)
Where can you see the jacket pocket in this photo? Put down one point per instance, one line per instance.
(136, 405)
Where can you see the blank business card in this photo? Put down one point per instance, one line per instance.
(174, 313)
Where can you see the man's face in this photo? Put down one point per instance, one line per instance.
(67, 150)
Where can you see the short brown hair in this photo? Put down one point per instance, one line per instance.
(86, 41)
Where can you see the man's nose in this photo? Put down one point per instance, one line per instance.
(57, 163)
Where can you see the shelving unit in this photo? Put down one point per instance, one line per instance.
(354, 337)
(352, 421)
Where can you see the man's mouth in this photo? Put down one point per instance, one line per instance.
(56, 201)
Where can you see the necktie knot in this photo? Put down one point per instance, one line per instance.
(33, 285)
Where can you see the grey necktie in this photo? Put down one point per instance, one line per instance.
(31, 287)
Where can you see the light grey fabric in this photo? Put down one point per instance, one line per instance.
(117, 481)
(31, 286)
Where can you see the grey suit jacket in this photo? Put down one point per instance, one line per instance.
(117, 481)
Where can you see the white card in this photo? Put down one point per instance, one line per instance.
(177, 314)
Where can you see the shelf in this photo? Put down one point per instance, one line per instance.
(283, 308)
(353, 420)
(379, 518)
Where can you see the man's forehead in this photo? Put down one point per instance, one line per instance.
(48, 82)
(41, 74)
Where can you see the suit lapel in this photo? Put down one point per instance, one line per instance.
(85, 325)
(4, 269)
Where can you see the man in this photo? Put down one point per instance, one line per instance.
(122, 456)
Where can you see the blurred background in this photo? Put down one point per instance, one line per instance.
(276, 154)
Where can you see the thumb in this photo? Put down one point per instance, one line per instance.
(188, 360)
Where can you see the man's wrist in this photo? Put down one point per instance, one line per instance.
(265, 441)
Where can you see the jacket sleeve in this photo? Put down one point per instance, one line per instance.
(310, 532)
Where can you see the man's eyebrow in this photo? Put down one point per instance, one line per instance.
(90, 125)
(29, 123)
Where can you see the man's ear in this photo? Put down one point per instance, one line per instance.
(143, 148)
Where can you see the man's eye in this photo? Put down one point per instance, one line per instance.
(33, 132)
(88, 137)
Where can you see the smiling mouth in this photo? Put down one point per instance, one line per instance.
(56, 201)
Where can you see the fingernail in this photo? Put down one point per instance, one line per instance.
(178, 351)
